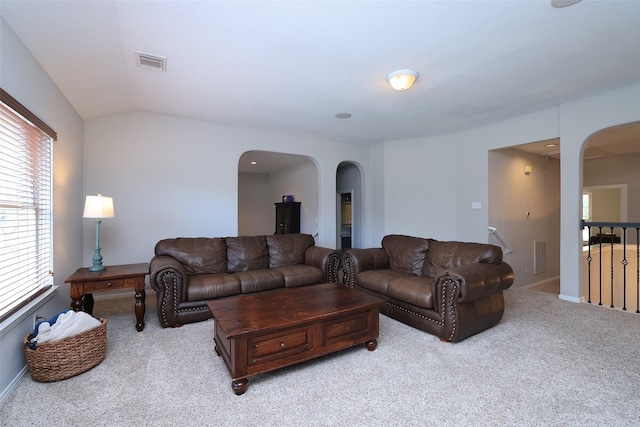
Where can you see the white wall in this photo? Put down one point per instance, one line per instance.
(172, 176)
(579, 120)
(23, 78)
(431, 182)
(256, 214)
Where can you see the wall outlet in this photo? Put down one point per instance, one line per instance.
(526, 270)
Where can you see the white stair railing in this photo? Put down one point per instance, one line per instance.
(507, 246)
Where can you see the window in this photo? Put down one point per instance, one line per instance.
(26, 235)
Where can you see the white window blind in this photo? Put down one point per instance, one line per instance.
(26, 235)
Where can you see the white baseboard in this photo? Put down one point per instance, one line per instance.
(13, 384)
(542, 282)
(568, 298)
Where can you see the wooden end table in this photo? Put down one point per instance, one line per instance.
(260, 332)
(115, 277)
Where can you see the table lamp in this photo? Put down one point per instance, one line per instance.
(98, 207)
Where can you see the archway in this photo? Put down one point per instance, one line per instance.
(611, 159)
(264, 177)
(349, 212)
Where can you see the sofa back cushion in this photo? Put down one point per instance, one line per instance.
(406, 253)
(198, 255)
(443, 255)
(288, 249)
(247, 253)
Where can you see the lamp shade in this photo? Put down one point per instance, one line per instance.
(402, 79)
(98, 207)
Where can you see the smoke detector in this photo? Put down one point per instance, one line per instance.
(151, 62)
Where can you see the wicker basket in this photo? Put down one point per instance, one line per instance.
(67, 357)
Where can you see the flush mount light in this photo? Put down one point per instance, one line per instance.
(564, 3)
(253, 162)
(343, 115)
(402, 79)
(551, 145)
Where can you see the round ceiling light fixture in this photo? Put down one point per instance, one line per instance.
(563, 3)
(402, 79)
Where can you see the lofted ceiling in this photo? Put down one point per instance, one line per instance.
(291, 66)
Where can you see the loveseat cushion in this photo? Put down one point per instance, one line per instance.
(247, 253)
(288, 249)
(209, 286)
(198, 255)
(259, 280)
(300, 274)
(378, 280)
(444, 255)
(406, 253)
(415, 290)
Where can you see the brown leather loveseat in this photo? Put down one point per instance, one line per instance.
(450, 289)
(187, 272)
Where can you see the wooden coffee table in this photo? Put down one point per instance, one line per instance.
(261, 332)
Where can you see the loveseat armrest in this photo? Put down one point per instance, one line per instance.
(325, 259)
(477, 280)
(358, 260)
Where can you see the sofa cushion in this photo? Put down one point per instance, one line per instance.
(198, 255)
(209, 286)
(288, 249)
(259, 280)
(247, 253)
(406, 253)
(300, 275)
(415, 290)
(444, 255)
(378, 280)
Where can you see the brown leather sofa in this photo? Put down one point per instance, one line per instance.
(450, 289)
(188, 272)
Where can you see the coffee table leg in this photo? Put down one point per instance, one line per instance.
(240, 386)
(371, 345)
(217, 350)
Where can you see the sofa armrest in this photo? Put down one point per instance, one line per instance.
(325, 259)
(476, 281)
(159, 266)
(357, 260)
(168, 277)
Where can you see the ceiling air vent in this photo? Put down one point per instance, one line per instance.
(151, 62)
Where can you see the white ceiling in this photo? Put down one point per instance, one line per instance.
(616, 141)
(291, 66)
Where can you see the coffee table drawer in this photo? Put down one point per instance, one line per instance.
(277, 345)
(348, 329)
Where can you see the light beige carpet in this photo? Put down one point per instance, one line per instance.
(549, 362)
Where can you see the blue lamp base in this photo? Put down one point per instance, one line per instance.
(97, 257)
